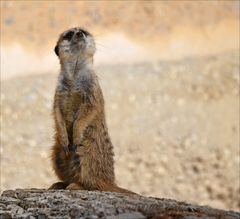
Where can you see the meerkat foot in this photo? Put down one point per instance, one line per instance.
(75, 186)
(58, 185)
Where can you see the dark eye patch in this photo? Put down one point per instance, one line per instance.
(56, 49)
(68, 36)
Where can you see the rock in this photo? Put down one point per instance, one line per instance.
(37, 203)
(132, 215)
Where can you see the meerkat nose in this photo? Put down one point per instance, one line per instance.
(79, 34)
(68, 36)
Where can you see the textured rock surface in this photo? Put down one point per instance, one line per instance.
(35, 203)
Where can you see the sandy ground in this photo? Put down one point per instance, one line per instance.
(174, 126)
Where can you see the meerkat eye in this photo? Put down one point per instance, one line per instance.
(68, 36)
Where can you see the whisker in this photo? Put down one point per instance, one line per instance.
(98, 35)
(102, 45)
(100, 50)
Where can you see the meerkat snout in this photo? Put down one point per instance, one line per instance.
(79, 34)
(68, 36)
(75, 42)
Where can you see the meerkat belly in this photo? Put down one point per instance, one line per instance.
(70, 167)
(70, 104)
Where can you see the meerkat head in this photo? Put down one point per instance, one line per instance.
(74, 43)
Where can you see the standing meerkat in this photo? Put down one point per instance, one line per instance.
(82, 155)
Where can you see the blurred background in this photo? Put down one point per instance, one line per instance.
(169, 71)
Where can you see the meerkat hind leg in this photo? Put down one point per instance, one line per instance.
(75, 186)
(58, 185)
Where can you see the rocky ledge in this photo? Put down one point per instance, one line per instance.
(39, 203)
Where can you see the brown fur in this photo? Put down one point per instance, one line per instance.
(82, 155)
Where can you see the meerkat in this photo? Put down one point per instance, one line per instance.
(82, 155)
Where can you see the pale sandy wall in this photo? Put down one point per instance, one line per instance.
(125, 32)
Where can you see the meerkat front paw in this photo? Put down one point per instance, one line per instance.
(65, 149)
(76, 143)
(65, 145)
(58, 185)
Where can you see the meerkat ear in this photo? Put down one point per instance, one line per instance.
(56, 50)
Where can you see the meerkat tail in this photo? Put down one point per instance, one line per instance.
(125, 191)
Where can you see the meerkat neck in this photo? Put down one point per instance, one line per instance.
(79, 66)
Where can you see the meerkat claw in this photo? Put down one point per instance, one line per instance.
(66, 149)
